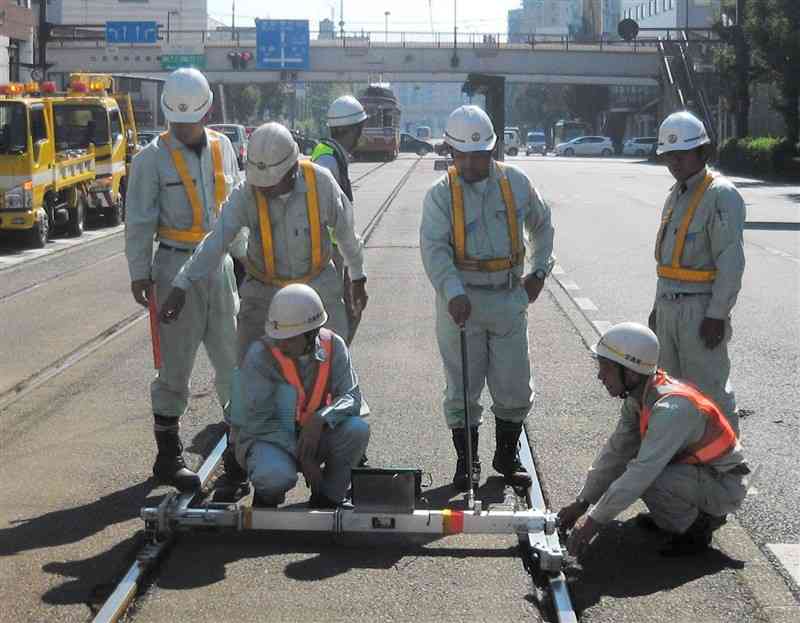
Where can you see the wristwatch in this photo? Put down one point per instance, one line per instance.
(540, 274)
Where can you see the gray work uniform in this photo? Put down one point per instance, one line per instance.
(497, 330)
(630, 467)
(156, 198)
(291, 247)
(714, 241)
(266, 432)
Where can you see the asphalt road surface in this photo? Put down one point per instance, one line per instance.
(77, 449)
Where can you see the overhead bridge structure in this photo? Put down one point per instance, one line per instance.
(358, 59)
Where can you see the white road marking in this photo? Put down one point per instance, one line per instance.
(602, 326)
(753, 491)
(557, 270)
(568, 284)
(789, 556)
(53, 246)
(585, 304)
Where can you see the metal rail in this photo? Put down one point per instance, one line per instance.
(562, 604)
(118, 602)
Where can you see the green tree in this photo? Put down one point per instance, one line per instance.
(733, 61)
(773, 27)
(242, 103)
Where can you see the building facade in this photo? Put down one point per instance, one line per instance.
(16, 40)
(672, 13)
(543, 18)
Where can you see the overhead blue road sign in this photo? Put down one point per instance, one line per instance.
(131, 32)
(282, 43)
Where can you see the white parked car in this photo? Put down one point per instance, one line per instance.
(586, 146)
(512, 144)
(238, 136)
(639, 146)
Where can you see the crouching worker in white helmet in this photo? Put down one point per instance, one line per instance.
(346, 118)
(287, 205)
(301, 405)
(672, 447)
(473, 249)
(700, 255)
(177, 186)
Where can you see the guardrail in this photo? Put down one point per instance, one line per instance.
(71, 36)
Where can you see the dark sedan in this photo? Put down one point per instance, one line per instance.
(414, 145)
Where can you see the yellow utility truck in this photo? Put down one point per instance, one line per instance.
(63, 156)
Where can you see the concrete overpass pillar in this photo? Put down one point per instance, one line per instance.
(493, 88)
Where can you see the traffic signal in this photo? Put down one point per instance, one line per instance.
(239, 60)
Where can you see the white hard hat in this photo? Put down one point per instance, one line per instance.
(681, 131)
(469, 129)
(630, 344)
(345, 110)
(186, 97)
(294, 310)
(271, 153)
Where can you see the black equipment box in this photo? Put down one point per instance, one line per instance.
(386, 490)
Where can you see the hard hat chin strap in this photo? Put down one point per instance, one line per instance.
(311, 340)
(628, 386)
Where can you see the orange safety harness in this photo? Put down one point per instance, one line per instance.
(265, 226)
(718, 438)
(675, 270)
(307, 406)
(463, 262)
(196, 233)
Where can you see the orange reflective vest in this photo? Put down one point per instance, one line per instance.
(308, 405)
(196, 233)
(463, 262)
(674, 270)
(265, 226)
(718, 438)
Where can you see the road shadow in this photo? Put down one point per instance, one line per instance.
(71, 525)
(200, 560)
(624, 562)
(793, 197)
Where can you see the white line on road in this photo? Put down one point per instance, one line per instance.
(789, 556)
(568, 284)
(585, 304)
(557, 270)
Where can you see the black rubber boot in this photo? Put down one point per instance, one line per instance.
(506, 458)
(696, 540)
(169, 467)
(460, 482)
(232, 485)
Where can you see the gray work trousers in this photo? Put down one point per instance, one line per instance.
(208, 317)
(257, 296)
(684, 355)
(681, 491)
(497, 346)
(273, 470)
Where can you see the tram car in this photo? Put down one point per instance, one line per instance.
(381, 137)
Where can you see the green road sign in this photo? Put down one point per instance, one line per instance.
(175, 61)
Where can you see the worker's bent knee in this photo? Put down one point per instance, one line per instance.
(272, 482)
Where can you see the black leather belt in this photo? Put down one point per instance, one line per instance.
(169, 247)
(674, 296)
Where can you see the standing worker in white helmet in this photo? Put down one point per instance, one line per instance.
(672, 447)
(177, 186)
(346, 118)
(288, 206)
(301, 405)
(699, 250)
(473, 250)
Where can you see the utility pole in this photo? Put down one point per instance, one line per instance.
(42, 39)
(742, 51)
(233, 19)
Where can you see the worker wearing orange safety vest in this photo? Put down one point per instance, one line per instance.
(302, 405)
(672, 447)
(177, 186)
(699, 252)
(472, 241)
(288, 206)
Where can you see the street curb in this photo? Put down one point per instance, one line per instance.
(769, 588)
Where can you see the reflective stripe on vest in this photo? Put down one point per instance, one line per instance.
(265, 225)
(463, 262)
(718, 438)
(307, 406)
(196, 233)
(674, 270)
